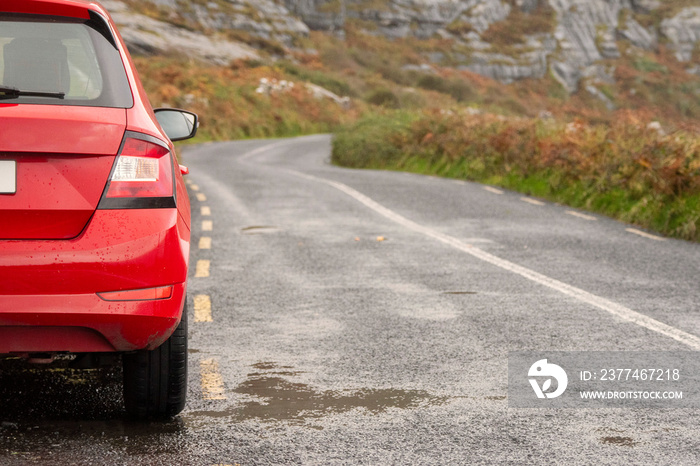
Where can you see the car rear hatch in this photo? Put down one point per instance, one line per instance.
(63, 99)
(54, 165)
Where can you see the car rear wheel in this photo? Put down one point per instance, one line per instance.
(155, 382)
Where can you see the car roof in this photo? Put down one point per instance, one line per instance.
(71, 8)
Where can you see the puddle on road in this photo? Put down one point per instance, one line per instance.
(619, 441)
(259, 230)
(284, 400)
(268, 366)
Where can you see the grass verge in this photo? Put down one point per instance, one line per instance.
(625, 170)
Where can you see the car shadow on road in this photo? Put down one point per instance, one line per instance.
(46, 410)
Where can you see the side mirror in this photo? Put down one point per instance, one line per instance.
(177, 124)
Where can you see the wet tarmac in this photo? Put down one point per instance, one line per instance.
(47, 411)
(276, 398)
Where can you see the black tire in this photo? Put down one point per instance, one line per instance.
(155, 382)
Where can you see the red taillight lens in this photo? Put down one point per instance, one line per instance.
(150, 294)
(143, 169)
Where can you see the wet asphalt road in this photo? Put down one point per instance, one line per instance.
(359, 317)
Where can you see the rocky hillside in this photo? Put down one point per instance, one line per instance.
(503, 39)
(515, 39)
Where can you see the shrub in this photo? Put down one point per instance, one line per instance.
(374, 141)
(459, 89)
(383, 98)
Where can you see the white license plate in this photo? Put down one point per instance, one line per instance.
(8, 177)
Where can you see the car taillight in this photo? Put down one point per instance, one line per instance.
(150, 294)
(143, 169)
(142, 176)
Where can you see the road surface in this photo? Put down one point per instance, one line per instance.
(363, 317)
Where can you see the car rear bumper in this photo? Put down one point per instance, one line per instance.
(50, 291)
(86, 323)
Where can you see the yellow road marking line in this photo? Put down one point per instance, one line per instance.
(206, 211)
(202, 308)
(212, 381)
(532, 201)
(645, 235)
(202, 270)
(194, 187)
(493, 190)
(207, 225)
(204, 242)
(201, 197)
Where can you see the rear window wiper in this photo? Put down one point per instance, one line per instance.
(13, 93)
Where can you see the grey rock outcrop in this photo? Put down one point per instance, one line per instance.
(585, 32)
(402, 18)
(508, 69)
(638, 35)
(578, 35)
(530, 62)
(683, 31)
(148, 36)
(260, 18)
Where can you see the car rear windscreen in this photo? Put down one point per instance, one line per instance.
(60, 61)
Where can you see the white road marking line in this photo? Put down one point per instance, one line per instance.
(206, 211)
(205, 242)
(580, 215)
(611, 307)
(645, 234)
(263, 149)
(202, 308)
(202, 270)
(201, 197)
(493, 190)
(207, 225)
(532, 201)
(212, 381)
(478, 240)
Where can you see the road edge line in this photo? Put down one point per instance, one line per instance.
(604, 304)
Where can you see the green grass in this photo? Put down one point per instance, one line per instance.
(623, 171)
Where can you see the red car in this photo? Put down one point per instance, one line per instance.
(94, 214)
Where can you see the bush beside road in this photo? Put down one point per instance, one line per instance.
(629, 169)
